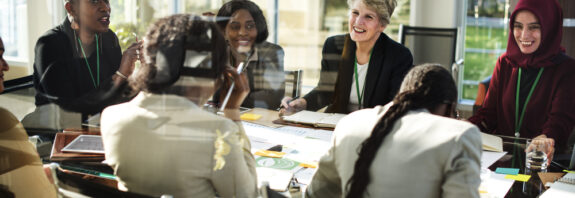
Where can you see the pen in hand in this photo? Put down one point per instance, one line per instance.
(289, 101)
(241, 68)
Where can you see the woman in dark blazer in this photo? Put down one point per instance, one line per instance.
(365, 66)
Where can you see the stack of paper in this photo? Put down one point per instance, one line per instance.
(316, 119)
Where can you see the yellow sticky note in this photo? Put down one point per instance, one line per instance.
(518, 177)
(308, 165)
(250, 116)
(272, 154)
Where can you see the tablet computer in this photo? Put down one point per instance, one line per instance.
(86, 144)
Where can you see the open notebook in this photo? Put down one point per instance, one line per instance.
(491, 142)
(316, 119)
(564, 187)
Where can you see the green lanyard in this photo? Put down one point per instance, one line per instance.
(96, 83)
(360, 95)
(519, 121)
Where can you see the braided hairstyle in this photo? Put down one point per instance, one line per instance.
(425, 86)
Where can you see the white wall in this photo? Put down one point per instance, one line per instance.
(433, 13)
(43, 15)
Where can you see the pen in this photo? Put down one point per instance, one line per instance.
(289, 101)
(240, 69)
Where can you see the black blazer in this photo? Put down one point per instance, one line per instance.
(62, 77)
(388, 65)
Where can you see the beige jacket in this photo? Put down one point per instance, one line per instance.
(424, 156)
(165, 144)
(20, 166)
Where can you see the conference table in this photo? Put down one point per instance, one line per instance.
(305, 145)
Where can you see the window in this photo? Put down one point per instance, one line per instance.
(486, 37)
(302, 25)
(13, 29)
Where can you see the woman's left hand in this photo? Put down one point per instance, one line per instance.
(239, 93)
(129, 58)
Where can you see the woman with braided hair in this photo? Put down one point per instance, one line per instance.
(376, 152)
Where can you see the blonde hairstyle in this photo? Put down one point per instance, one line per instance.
(383, 8)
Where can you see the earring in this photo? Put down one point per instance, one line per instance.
(74, 23)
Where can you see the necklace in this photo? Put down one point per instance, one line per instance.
(518, 119)
(96, 82)
(356, 74)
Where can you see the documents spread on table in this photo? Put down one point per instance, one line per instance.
(302, 149)
(494, 185)
(316, 119)
(564, 187)
(491, 142)
(490, 157)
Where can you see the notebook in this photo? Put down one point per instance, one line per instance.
(491, 142)
(564, 187)
(316, 119)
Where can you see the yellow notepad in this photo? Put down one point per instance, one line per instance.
(250, 116)
(518, 177)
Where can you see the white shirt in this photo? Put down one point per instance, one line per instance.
(353, 99)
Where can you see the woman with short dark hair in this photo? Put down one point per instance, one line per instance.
(246, 31)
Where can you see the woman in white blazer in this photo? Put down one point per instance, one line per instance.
(407, 148)
(163, 142)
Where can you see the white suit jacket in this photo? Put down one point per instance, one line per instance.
(424, 156)
(165, 144)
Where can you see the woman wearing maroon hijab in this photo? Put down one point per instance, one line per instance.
(543, 105)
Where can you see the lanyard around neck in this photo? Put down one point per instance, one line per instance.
(360, 95)
(519, 120)
(96, 83)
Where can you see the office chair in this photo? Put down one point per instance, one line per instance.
(431, 45)
(293, 81)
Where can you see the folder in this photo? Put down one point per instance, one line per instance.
(317, 119)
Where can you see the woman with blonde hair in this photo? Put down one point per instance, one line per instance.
(365, 65)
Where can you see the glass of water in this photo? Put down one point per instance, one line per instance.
(536, 155)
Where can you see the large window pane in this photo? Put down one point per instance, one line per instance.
(303, 25)
(485, 40)
(13, 29)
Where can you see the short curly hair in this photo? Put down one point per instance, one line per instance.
(229, 8)
(383, 8)
(164, 34)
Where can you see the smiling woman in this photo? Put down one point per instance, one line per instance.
(79, 64)
(364, 79)
(531, 91)
(246, 32)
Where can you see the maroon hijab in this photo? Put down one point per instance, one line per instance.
(550, 18)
